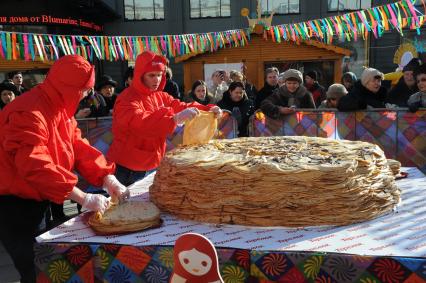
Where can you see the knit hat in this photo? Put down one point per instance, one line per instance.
(369, 74)
(412, 65)
(312, 74)
(349, 76)
(104, 81)
(336, 91)
(294, 74)
(420, 70)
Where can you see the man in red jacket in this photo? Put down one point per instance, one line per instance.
(144, 116)
(40, 148)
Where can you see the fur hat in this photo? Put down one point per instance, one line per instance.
(312, 74)
(369, 74)
(9, 86)
(294, 74)
(104, 81)
(412, 65)
(336, 91)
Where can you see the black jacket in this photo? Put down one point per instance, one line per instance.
(241, 110)
(172, 88)
(400, 93)
(264, 93)
(318, 93)
(302, 98)
(360, 97)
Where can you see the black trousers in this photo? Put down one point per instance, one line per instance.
(127, 177)
(19, 221)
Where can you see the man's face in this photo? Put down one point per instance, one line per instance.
(409, 78)
(272, 79)
(309, 80)
(374, 84)
(107, 91)
(292, 86)
(421, 82)
(152, 80)
(17, 79)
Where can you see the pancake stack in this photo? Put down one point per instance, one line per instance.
(276, 181)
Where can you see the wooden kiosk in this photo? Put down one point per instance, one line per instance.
(257, 53)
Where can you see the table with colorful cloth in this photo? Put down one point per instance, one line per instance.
(391, 248)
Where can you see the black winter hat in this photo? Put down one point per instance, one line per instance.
(9, 86)
(420, 70)
(312, 74)
(412, 65)
(105, 80)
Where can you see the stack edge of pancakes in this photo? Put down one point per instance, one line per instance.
(131, 216)
(276, 181)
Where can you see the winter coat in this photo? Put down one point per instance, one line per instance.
(264, 93)
(400, 93)
(302, 98)
(251, 91)
(41, 145)
(99, 105)
(318, 93)
(242, 115)
(172, 88)
(360, 98)
(142, 120)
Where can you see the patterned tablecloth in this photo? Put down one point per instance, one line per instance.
(391, 248)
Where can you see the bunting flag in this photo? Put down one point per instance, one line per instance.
(397, 16)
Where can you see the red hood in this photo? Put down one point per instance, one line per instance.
(143, 64)
(66, 79)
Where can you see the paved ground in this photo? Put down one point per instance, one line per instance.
(8, 272)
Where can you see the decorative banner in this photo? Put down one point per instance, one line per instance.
(346, 27)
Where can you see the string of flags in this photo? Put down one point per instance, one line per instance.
(346, 27)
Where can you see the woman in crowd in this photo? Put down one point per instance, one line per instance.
(236, 101)
(8, 92)
(144, 116)
(312, 85)
(199, 94)
(418, 100)
(251, 90)
(348, 80)
(289, 97)
(334, 93)
(367, 93)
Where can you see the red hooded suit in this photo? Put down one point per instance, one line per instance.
(40, 144)
(143, 119)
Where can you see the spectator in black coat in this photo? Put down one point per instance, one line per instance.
(251, 90)
(348, 80)
(367, 93)
(317, 90)
(288, 97)
(418, 100)
(236, 101)
(271, 84)
(406, 85)
(8, 93)
(171, 86)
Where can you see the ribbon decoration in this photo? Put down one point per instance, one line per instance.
(349, 27)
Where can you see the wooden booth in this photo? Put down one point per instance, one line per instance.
(260, 54)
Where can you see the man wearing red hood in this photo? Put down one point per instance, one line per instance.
(144, 116)
(40, 148)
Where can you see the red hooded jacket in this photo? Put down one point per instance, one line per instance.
(142, 120)
(40, 144)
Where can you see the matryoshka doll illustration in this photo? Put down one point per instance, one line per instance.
(195, 260)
